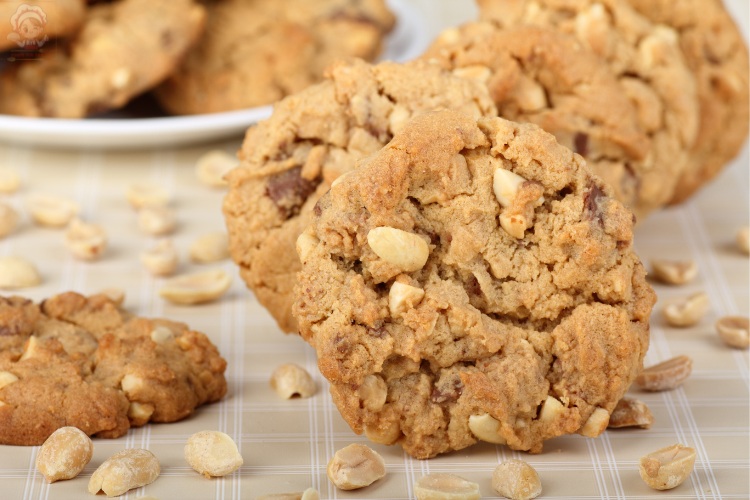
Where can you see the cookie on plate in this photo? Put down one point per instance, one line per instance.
(32, 24)
(122, 50)
(538, 75)
(647, 60)
(82, 361)
(473, 280)
(291, 159)
(715, 50)
(255, 53)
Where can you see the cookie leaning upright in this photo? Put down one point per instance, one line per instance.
(473, 280)
(82, 361)
(716, 52)
(257, 52)
(291, 159)
(122, 50)
(644, 56)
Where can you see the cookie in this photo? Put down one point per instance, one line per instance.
(255, 53)
(538, 75)
(473, 274)
(716, 52)
(28, 25)
(82, 361)
(647, 60)
(123, 49)
(291, 159)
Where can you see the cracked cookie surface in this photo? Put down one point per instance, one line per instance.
(646, 59)
(313, 137)
(472, 269)
(82, 361)
(255, 53)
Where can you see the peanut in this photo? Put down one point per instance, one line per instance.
(124, 471)
(290, 380)
(212, 453)
(734, 331)
(668, 467)
(64, 454)
(10, 181)
(161, 259)
(486, 428)
(16, 272)
(630, 413)
(403, 297)
(743, 240)
(8, 219)
(438, 486)
(517, 480)
(196, 288)
(211, 247)
(308, 494)
(51, 211)
(596, 423)
(405, 250)
(674, 272)
(156, 221)
(666, 375)
(355, 466)
(212, 166)
(85, 241)
(687, 311)
(146, 194)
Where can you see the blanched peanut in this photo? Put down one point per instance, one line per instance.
(212, 166)
(7, 378)
(630, 413)
(518, 197)
(211, 247)
(116, 295)
(308, 494)
(668, 467)
(734, 331)
(161, 259)
(596, 423)
(290, 380)
(403, 297)
(16, 272)
(403, 249)
(686, 311)
(146, 194)
(212, 453)
(486, 428)
(743, 240)
(304, 245)
(124, 471)
(85, 241)
(438, 486)
(64, 454)
(8, 219)
(666, 375)
(140, 413)
(156, 221)
(355, 466)
(674, 272)
(161, 335)
(372, 392)
(51, 211)
(10, 181)
(551, 409)
(196, 288)
(517, 480)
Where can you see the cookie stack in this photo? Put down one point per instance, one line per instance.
(70, 60)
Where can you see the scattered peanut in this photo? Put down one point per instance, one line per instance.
(734, 331)
(686, 311)
(290, 380)
(212, 453)
(486, 428)
(10, 181)
(211, 247)
(146, 194)
(630, 413)
(116, 295)
(64, 454)
(16, 272)
(161, 259)
(124, 471)
(405, 250)
(85, 241)
(403, 297)
(355, 466)
(8, 219)
(308, 494)
(674, 272)
(668, 467)
(438, 486)
(156, 221)
(51, 211)
(196, 288)
(517, 480)
(596, 423)
(666, 375)
(743, 240)
(212, 166)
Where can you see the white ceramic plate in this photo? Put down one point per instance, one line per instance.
(409, 39)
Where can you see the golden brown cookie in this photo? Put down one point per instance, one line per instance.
(81, 361)
(122, 50)
(290, 160)
(647, 60)
(29, 25)
(473, 280)
(717, 53)
(255, 53)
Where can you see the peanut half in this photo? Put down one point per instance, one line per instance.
(212, 453)
(355, 466)
(734, 331)
(123, 471)
(51, 211)
(85, 241)
(674, 272)
(157, 221)
(146, 194)
(290, 380)
(686, 311)
(308, 494)
(213, 165)
(666, 375)
(196, 288)
(630, 412)
(743, 240)
(16, 272)
(161, 259)
(64, 454)
(211, 247)
(441, 486)
(8, 219)
(517, 480)
(10, 181)
(405, 250)
(668, 467)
